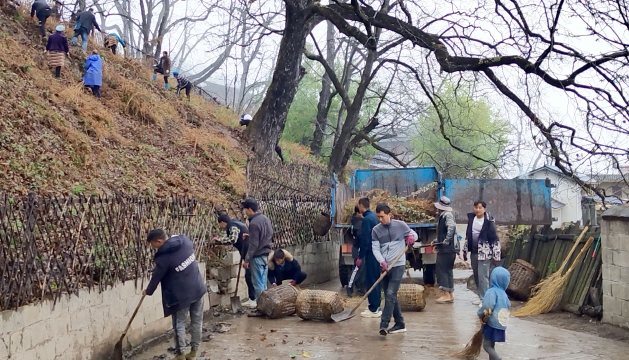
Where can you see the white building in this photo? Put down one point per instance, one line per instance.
(565, 196)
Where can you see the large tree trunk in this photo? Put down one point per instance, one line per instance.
(323, 108)
(268, 123)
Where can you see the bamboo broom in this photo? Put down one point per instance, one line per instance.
(472, 349)
(548, 293)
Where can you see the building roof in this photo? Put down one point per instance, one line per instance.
(611, 200)
(555, 170)
(556, 204)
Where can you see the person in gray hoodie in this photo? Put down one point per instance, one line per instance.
(260, 235)
(388, 240)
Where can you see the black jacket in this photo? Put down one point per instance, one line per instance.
(487, 234)
(87, 19)
(289, 270)
(176, 269)
(242, 244)
(41, 8)
(357, 223)
(260, 235)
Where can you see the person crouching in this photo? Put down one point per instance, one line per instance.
(283, 266)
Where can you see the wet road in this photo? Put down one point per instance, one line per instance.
(435, 333)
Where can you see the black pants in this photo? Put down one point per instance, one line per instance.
(58, 71)
(42, 16)
(445, 271)
(299, 278)
(429, 274)
(278, 150)
(95, 90)
(188, 88)
(113, 49)
(250, 289)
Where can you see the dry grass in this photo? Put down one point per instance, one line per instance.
(407, 210)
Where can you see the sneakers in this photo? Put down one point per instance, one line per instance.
(397, 329)
(370, 314)
(250, 304)
(192, 355)
(383, 332)
(476, 302)
(444, 300)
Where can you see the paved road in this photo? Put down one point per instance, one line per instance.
(434, 333)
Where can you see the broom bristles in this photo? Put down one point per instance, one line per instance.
(472, 349)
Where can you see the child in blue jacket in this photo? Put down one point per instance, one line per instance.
(496, 301)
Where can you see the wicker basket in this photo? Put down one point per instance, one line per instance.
(318, 304)
(279, 301)
(523, 277)
(411, 297)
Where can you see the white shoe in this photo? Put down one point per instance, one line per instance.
(476, 302)
(250, 304)
(370, 314)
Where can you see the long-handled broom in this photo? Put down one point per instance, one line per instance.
(472, 349)
(548, 293)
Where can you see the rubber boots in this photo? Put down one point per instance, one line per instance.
(154, 77)
(166, 86)
(192, 355)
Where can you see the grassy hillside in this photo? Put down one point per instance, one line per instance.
(55, 137)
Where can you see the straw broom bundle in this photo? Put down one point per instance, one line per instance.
(472, 349)
(548, 293)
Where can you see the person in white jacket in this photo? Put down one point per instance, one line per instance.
(388, 239)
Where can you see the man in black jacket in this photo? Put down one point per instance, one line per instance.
(84, 23)
(183, 288)
(282, 266)
(43, 11)
(245, 120)
(238, 236)
(260, 235)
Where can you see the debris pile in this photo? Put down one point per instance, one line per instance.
(408, 209)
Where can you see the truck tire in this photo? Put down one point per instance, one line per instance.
(345, 271)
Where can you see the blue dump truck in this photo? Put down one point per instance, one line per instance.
(511, 202)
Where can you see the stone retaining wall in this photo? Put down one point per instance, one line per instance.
(615, 253)
(83, 327)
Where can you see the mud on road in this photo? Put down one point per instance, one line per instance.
(435, 333)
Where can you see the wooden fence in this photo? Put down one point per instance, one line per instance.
(547, 249)
(55, 245)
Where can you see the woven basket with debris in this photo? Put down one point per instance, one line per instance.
(318, 304)
(279, 301)
(412, 297)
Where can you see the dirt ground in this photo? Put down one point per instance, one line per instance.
(435, 333)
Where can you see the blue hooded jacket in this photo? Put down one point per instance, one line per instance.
(497, 300)
(93, 71)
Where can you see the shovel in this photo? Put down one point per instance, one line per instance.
(118, 347)
(235, 300)
(348, 314)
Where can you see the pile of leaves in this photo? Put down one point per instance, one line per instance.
(409, 210)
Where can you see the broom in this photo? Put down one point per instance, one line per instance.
(472, 349)
(548, 293)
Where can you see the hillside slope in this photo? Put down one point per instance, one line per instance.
(55, 137)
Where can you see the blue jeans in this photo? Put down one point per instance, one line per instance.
(196, 326)
(83, 32)
(258, 274)
(390, 285)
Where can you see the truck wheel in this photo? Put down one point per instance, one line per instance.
(345, 271)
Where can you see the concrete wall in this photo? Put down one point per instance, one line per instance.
(615, 253)
(82, 327)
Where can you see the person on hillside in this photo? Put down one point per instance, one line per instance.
(237, 234)
(163, 67)
(43, 12)
(183, 287)
(260, 235)
(483, 245)
(245, 120)
(355, 231)
(93, 77)
(84, 23)
(112, 40)
(283, 266)
(367, 259)
(496, 302)
(57, 49)
(183, 83)
(447, 246)
(388, 240)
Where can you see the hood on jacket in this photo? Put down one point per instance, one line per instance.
(500, 278)
(94, 57)
(488, 216)
(287, 257)
(170, 246)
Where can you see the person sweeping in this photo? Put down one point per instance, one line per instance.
(496, 304)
